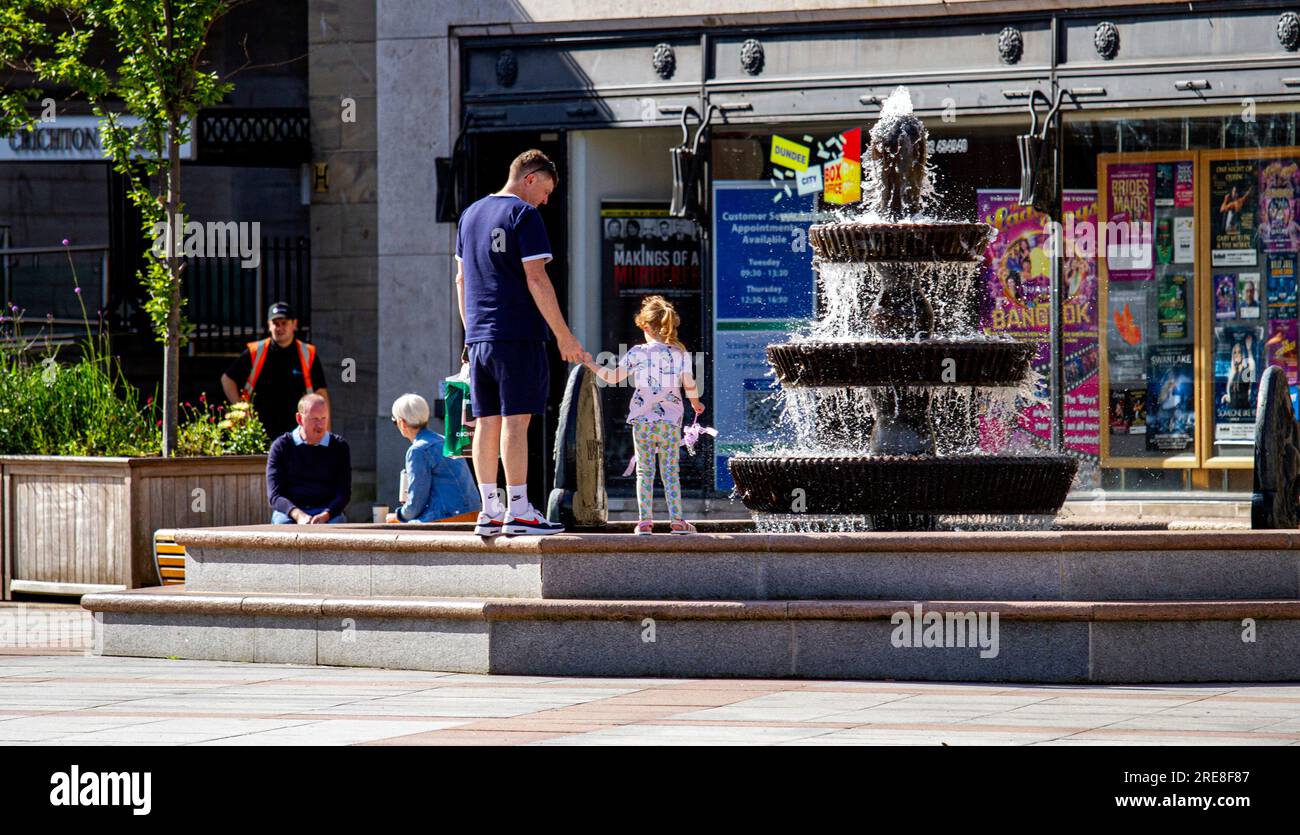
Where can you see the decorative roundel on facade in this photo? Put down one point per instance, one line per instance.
(1011, 45)
(751, 56)
(1288, 30)
(664, 61)
(507, 68)
(1106, 40)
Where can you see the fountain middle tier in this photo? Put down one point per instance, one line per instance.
(986, 362)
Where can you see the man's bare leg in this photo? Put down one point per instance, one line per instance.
(486, 448)
(514, 454)
(514, 449)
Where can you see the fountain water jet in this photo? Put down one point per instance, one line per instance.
(897, 326)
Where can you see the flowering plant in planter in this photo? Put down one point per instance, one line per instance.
(212, 430)
(87, 407)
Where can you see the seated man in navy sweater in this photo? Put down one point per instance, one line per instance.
(309, 470)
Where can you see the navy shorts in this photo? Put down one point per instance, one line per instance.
(508, 378)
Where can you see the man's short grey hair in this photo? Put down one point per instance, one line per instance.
(307, 401)
(413, 409)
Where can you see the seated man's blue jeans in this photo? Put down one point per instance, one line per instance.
(278, 518)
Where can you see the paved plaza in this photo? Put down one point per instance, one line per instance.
(57, 695)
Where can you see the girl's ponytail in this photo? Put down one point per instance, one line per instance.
(658, 316)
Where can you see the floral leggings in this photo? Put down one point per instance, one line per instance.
(662, 438)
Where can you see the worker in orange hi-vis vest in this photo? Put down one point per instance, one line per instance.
(274, 373)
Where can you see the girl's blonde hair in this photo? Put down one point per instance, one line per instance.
(658, 316)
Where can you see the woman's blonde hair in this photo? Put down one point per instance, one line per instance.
(658, 316)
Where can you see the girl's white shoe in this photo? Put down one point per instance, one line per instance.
(645, 528)
(682, 526)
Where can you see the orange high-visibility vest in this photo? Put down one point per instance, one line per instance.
(258, 351)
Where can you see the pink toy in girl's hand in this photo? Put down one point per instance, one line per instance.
(690, 437)
(691, 434)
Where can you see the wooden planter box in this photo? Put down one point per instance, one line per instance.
(79, 525)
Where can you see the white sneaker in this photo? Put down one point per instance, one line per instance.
(489, 524)
(530, 523)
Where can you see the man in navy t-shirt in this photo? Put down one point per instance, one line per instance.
(509, 310)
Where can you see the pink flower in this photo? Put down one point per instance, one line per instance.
(65, 241)
(77, 290)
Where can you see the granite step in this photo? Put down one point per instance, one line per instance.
(1024, 566)
(1000, 640)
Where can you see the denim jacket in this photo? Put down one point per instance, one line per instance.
(437, 486)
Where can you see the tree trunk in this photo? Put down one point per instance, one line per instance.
(172, 347)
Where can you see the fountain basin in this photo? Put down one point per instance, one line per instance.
(1086, 606)
(904, 484)
(937, 362)
(939, 241)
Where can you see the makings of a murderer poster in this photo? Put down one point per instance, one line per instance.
(643, 252)
(1016, 302)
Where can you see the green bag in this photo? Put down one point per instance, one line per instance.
(458, 420)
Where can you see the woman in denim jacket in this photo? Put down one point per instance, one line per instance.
(437, 487)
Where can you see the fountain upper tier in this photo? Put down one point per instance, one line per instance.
(899, 183)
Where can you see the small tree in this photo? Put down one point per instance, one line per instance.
(155, 71)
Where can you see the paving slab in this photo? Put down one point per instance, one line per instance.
(57, 701)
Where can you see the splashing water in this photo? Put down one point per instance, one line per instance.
(849, 290)
(899, 189)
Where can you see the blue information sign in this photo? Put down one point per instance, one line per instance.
(762, 261)
(762, 274)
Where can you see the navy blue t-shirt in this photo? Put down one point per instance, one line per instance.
(496, 236)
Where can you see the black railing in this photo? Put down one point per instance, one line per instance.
(226, 302)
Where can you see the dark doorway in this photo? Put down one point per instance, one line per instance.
(489, 161)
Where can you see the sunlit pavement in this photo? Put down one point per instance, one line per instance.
(57, 695)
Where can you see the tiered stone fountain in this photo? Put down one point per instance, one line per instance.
(895, 355)
(882, 429)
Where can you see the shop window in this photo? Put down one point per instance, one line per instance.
(1200, 216)
(1251, 240)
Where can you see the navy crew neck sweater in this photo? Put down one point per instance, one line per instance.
(309, 476)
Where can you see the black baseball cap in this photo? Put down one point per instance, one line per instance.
(280, 310)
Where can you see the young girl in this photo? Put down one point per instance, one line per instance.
(660, 368)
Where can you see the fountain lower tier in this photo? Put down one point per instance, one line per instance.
(898, 485)
(933, 362)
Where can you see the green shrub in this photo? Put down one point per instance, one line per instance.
(87, 407)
